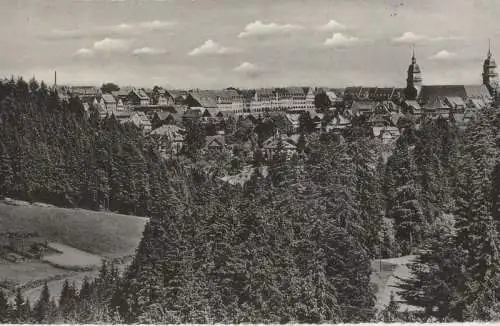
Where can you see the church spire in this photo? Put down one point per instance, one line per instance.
(414, 78)
(489, 70)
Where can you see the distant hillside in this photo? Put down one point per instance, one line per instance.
(102, 233)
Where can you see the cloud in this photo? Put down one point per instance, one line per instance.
(258, 28)
(410, 37)
(339, 39)
(157, 25)
(332, 25)
(443, 55)
(111, 45)
(112, 30)
(211, 47)
(84, 52)
(148, 51)
(248, 69)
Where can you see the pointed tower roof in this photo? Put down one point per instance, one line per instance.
(414, 67)
(489, 62)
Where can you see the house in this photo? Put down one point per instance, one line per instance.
(317, 119)
(362, 107)
(85, 92)
(387, 134)
(119, 105)
(338, 123)
(332, 96)
(122, 115)
(100, 107)
(215, 143)
(108, 102)
(292, 123)
(138, 97)
(438, 107)
(179, 97)
(207, 116)
(192, 115)
(14, 258)
(411, 107)
(164, 117)
(310, 97)
(122, 94)
(381, 114)
(457, 104)
(171, 138)
(160, 96)
(477, 104)
(276, 144)
(140, 120)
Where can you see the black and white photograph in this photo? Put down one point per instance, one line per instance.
(249, 161)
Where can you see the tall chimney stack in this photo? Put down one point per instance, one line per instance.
(55, 78)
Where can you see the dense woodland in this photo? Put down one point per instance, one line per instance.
(295, 246)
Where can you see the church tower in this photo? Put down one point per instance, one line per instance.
(414, 79)
(489, 72)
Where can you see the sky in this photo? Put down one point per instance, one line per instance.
(246, 43)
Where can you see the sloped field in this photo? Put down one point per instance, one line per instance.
(101, 233)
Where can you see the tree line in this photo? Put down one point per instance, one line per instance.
(295, 246)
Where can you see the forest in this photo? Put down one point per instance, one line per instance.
(294, 246)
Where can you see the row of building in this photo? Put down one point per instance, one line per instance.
(227, 100)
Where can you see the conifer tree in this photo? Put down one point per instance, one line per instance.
(42, 309)
(4, 308)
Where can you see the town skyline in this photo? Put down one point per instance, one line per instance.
(168, 43)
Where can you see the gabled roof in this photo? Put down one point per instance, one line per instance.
(228, 96)
(85, 90)
(455, 101)
(274, 143)
(122, 92)
(170, 131)
(175, 93)
(378, 131)
(265, 93)
(477, 103)
(331, 95)
(122, 114)
(412, 104)
(206, 99)
(142, 117)
(215, 141)
(477, 91)
(108, 99)
(159, 90)
(430, 92)
(363, 106)
(140, 93)
(206, 114)
(437, 103)
(161, 115)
